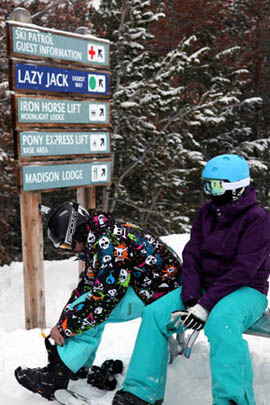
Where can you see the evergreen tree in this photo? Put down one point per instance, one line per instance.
(170, 113)
(221, 25)
(60, 14)
(9, 220)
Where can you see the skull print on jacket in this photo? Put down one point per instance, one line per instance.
(118, 255)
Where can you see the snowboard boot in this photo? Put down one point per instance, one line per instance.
(45, 381)
(127, 398)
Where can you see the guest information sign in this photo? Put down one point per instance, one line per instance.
(34, 42)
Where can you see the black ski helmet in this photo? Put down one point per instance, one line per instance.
(66, 223)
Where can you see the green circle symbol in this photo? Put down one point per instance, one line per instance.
(92, 83)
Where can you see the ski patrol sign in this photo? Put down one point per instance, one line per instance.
(37, 42)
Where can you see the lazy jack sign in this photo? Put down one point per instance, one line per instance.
(42, 78)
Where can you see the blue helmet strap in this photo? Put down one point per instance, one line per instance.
(72, 224)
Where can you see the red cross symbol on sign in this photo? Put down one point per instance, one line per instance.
(91, 52)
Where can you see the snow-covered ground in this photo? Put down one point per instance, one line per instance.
(188, 379)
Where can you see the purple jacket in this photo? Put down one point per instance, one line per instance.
(229, 248)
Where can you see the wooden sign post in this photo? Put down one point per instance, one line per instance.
(61, 120)
(32, 246)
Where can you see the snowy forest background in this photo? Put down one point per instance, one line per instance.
(190, 79)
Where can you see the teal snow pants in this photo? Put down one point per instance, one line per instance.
(146, 376)
(147, 371)
(230, 363)
(231, 367)
(80, 350)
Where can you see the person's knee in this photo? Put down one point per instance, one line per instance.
(222, 325)
(156, 317)
(159, 312)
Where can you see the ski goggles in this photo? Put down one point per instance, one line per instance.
(217, 187)
(63, 246)
(57, 245)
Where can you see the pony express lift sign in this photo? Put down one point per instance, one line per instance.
(34, 42)
(45, 143)
(55, 79)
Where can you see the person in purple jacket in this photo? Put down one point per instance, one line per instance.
(226, 265)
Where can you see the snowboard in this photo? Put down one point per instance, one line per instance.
(69, 397)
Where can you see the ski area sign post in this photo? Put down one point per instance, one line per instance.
(61, 115)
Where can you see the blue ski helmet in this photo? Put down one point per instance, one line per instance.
(230, 167)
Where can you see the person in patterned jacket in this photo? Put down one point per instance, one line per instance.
(126, 268)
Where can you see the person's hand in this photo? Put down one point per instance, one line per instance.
(195, 317)
(176, 318)
(57, 337)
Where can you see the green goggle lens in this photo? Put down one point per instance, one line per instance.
(213, 187)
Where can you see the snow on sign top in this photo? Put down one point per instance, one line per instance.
(34, 42)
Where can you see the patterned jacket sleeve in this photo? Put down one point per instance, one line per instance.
(92, 302)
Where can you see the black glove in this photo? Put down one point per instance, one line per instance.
(190, 303)
(103, 377)
(195, 317)
(114, 366)
(177, 317)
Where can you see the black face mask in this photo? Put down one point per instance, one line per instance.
(223, 199)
